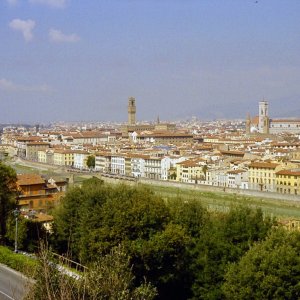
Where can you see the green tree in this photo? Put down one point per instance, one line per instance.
(190, 214)
(163, 260)
(121, 213)
(8, 190)
(111, 278)
(91, 161)
(224, 239)
(269, 270)
(30, 233)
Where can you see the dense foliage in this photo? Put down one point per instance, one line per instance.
(178, 246)
(90, 162)
(8, 189)
(138, 245)
(110, 277)
(269, 270)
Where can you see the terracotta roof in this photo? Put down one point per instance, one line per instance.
(263, 165)
(167, 135)
(29, 179)
(285, 121)
(28, 139)
(289, 172)
(255, 120)
(238, 153)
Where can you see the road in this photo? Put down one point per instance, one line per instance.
(13, 285)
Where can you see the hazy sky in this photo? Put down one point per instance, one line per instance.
(81, 60)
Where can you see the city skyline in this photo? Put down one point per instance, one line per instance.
(68, 61)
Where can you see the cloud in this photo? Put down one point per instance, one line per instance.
(57, 36)
(51, 3)
(25, 27)
(9, 86)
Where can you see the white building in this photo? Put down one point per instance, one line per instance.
(80, 159)
(138, 166)
(237, 179)
(117, 164)
(102, 162)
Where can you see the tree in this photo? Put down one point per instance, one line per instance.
(30, 233)
(121, 213)
(190, 214)
(91, 161)
(223, 240)
(109, 277)
(8, 190)
(269, 270)
(163, 259)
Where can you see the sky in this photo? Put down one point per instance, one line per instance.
(67, 60)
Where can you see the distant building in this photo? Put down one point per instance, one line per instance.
(138, 128)
(262, 124)
(131, 111)
(37, 193)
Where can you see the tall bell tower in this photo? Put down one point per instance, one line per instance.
(131, 111)
(263, 118)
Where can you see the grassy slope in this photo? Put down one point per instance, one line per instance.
(214, 201)
(223, 201)
(19, 262)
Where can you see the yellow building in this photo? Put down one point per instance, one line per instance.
(288, 182)
(63, 157)
(262, 176)
(190, 171)
(42, 156)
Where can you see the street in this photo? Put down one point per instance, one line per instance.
(13, 285)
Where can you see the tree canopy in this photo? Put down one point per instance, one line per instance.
(8, 190)
(178, 246)
(269, 270)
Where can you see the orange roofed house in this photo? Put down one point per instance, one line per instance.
(37, 193)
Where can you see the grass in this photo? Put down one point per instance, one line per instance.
(18, 262)
(282, 209)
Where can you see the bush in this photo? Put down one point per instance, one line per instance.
(18, 262)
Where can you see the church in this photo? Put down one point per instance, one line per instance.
(262, 124)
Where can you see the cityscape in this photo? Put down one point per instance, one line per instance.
(257, 154)
(149, 150)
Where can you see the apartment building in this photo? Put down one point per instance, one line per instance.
(117, 164)
(32, 149)
(36, 193)
(80, 159)
(63, 157)
(288, 182)
(102, 162)
(262, 176)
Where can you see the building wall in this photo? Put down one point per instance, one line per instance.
(284, 126)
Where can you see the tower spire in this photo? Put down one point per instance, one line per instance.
(131, 111)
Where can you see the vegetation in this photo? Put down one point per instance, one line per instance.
(109, 277)
(19, 262)
(91, 161)
(8, 189)
(140, 244)
(269, 270)
(29, 233)
(177, 245)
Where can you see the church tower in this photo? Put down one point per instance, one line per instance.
(131, 111)
(263, 118)
(248, 124)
